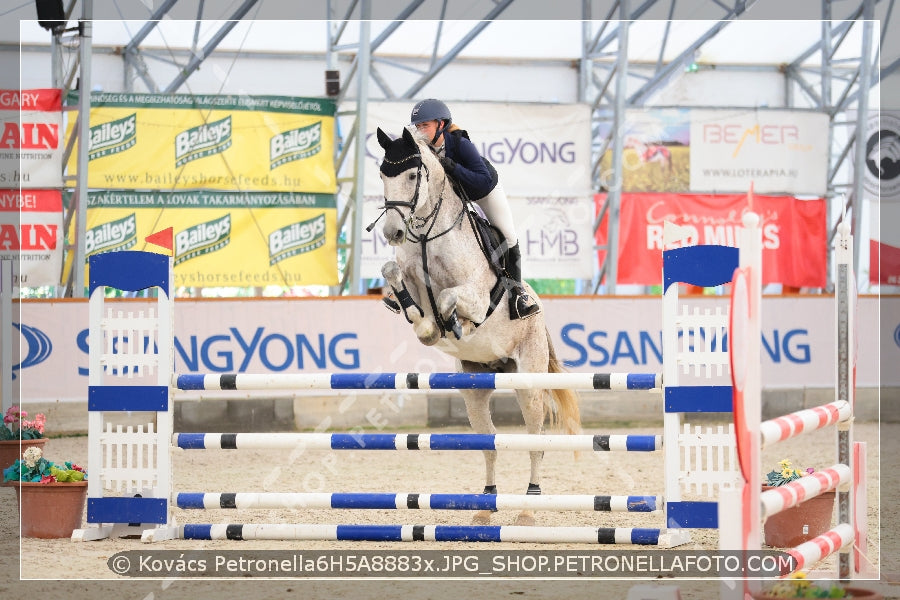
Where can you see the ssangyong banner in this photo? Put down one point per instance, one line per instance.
(224, 239)
(721, 151)
(794, 233)
(31, 146)
(183, 141)
(31, 235)
(359, 335)
(542, 154)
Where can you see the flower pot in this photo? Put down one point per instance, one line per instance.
(801, 523)
(852, 593)
(11, 450)
(50, 510)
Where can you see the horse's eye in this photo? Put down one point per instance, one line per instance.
(411, 176)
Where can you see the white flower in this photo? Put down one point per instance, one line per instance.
(31, 456)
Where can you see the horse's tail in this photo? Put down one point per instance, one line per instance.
(568, 415)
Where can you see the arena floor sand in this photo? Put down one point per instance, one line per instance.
(52, 566)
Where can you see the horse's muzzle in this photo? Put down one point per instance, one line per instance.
(394, 235)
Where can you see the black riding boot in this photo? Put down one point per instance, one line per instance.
(521, 305)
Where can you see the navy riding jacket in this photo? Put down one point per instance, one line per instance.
(476, 175)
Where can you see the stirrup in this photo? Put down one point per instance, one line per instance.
(392, 304)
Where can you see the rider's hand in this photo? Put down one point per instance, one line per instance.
(448, 164)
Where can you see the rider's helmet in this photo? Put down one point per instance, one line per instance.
(431, 110)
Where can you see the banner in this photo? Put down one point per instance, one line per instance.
(31, 228)
(358, 335)
(542, 153)
(182, 141)
(882, 184)
(30, 147)
(224, 239)
(778, 151)
(720, 151)
(794, 233)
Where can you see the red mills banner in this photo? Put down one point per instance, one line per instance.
(794, 233)
(30, 141)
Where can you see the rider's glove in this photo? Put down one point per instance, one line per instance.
(448, 164)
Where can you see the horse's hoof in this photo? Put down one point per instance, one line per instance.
(526, 520)
(482, 517)
(427, 333)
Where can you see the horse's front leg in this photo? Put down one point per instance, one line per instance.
(424, 327)
(461, 308)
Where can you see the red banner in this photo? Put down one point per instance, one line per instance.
(31, 235)
(31, 148)
(794, 237)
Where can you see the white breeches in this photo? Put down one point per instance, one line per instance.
(496, 207)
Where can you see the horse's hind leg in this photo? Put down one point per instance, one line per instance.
(531, 402)
(479, 411)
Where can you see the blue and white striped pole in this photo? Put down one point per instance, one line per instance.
(423, 533)
(420, 381)
(382, 501)
(417, 441)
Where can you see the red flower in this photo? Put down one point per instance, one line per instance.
(48, 479)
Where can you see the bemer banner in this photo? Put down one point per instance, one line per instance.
(722, 151)
(542, 153)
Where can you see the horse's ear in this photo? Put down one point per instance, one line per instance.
(383, 139)
(408, 137)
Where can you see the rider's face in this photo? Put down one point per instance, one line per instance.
(428, 128)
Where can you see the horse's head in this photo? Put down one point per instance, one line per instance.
(405, 173)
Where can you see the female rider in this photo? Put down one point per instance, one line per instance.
(478, 178)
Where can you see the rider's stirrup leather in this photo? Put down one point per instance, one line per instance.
(519, 307)
(392, 304)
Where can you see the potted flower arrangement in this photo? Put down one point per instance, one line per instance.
(801, 523)
(51, 497)
(19, 434)
(798, 586)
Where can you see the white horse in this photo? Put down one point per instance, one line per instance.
(449, 292)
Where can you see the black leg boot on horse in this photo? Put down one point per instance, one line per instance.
(521, 305)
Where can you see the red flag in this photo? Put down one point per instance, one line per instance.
(162, 238)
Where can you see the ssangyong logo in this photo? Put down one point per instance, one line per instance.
(202, 141)
(114, 235)
(38, 347)
(202, 239)
(113, 137)
(295, 144)
(296, 238)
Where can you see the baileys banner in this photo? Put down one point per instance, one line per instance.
(234, 143)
